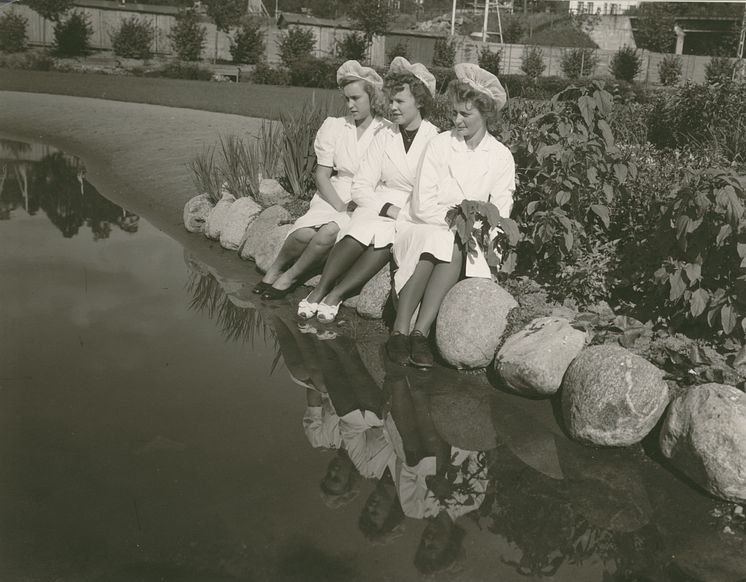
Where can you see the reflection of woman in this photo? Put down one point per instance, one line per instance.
(340, 145)
(381, 188)
(382, 516)
(465, 163)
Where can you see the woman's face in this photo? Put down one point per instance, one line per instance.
(467, 119)
(357, 100)
(379, 505)
(338, 475)
(403, 107)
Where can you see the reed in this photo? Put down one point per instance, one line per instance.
(206, 174)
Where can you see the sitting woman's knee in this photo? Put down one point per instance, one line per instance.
(327, 234)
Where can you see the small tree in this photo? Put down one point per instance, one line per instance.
(133, 38)
(625, 64)
(352, 47)
(72, 36)
(225, 14)
(578, 62)
(532, 62)
(719, 70)
(247, 43)
(669, 70)
(187, 36)
(444, 53)
(400, 49)
(13, 32)
(371, 17)
(295, 44)
(490, 60)
(49, 10)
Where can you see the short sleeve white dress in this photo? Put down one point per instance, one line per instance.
(451, 172)
(386, 174)
(337, 146)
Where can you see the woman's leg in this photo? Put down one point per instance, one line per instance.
(292, 248)
(412, 293)
(443, 277)
(368, 265)
(318, 247)
(343, 255)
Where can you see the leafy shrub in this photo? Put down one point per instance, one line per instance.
(181, 70)
(187, 36)
(444, 53)
(490, 60)
(719, 70)
(265, 74)
(13, 32)
(578, 62)
(443, 76)
(314, 72)
(32, 60)
(532, 62)
(296, 43)
(72, 35)
(400, 49)
(669, 70)
(352, 47)
(133, 38)
(50, 9)
(247, 43)
(625, 64)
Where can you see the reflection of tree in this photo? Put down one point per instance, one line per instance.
(236, 323)
(57, 185)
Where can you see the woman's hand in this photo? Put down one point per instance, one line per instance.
(351, 206)
(393, 212)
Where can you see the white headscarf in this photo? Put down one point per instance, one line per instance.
(352, 70)
(402, 65)
(482, 81)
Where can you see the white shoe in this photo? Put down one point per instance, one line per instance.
(327, 313)
(307, 309)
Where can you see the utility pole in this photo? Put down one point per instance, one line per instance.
(453, 18)
(486, 18)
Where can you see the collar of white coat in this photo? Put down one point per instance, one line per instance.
(375, 124)
(487, 144)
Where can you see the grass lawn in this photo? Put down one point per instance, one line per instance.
(237, 98)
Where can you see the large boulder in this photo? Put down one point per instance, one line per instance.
(218, 216)
(242, 214)
(269, 247)
(261, 228)
(462, 415)
(196, 211)
(612, 397)
(471, 322)
(704, 435)
(271, 192)
(533, 361)
(374, 294)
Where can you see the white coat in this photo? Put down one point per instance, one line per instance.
(386, 174)
(321, 425)
(450, 173)
(366, 444)
(337, 146)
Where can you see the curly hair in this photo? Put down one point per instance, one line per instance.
(377, 99)
(460, 92)
(395, 82)
(371, 531)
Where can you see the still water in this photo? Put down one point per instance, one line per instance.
(158, 424)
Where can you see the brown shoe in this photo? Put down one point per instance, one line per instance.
(397, 348)
(419, 351)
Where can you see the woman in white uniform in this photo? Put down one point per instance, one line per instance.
(465, 163)
(340, 145)
(380, 189)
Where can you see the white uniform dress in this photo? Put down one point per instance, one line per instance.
(386, 174)
(450, 173)
(321, 425)
(369, 449)
(338, 147)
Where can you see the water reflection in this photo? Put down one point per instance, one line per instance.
(37, 177)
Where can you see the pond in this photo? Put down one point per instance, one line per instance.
(158, 423)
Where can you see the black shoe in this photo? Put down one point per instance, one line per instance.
(273, 293)
(261, 287)
(419, 351)
(397, 348)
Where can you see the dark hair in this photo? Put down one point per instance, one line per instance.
(377, 100)
(395, 82)
(324, 484)
(460, 92)
(371, 531)
(444, 559)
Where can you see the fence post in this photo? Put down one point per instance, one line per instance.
(582, 63)
(647, 69)
(510, 57)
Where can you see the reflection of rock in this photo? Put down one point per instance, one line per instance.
(243, 212)
(374, 294)
(471, 322)
(704, 435)
(261, 228)
(196, 211)
(218, 217)
(373, 357)
(707, 555)
(612, 397)
(271, 192)
(194, 265)
(268, 248)
(462, 415)
(533, 361)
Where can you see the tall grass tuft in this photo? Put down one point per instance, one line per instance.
(299, 133)
(235, 165)
(251, 167)
(206, 174)
(270, 138)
